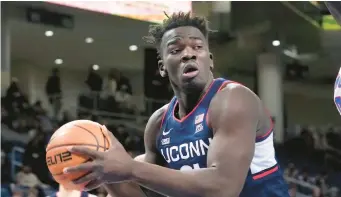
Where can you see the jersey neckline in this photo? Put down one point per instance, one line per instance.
(193, 110)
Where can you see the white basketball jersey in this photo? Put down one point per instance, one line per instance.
(337, 92)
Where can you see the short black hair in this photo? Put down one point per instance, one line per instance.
(178, 19)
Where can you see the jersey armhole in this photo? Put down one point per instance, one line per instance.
(269, 131)
(163, 116)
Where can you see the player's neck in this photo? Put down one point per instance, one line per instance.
(189, 100)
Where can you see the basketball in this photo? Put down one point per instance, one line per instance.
(76, 133)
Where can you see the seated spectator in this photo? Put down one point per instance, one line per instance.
(334, 192)
(27, 178)
(291, 171)
(124, 98)
(121, 80)
(304, 176)
(36, 192)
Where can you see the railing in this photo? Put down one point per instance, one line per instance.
(16, 156)
(97, 99)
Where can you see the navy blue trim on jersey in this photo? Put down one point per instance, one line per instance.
(265, 136)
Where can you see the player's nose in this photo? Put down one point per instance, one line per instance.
(188, 54)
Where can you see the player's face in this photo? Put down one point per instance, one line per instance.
(186, 58)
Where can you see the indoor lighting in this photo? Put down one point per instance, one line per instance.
(89, 40)
(276, 43)
(58, 61)
(95, 67)
(48, 33)
(133, 47)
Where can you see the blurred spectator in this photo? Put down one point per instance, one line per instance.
(15, 101)
(94, 80)
(5, 174)
(291, 171)
(36, 192)
(123, 80)
(20, 125)
(110, 83)
(123, 97)
(65, 118)
(54, 91)
(27, 178)
(334, 192)
(5, 118)
(34, 156)
(304, 176)
(34, 128)
(292, 189)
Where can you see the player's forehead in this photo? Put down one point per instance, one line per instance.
(181, 33)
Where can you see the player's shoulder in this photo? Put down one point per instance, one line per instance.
(232, 97)
(154, 123)
(157, 117)
(235, 91)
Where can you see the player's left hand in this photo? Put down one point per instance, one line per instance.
(113, 165)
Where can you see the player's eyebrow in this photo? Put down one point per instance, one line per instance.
(176, 39)
(173, 40)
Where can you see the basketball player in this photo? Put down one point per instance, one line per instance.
(213, 139)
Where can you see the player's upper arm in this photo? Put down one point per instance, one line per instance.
(151, 132)
(233, 115)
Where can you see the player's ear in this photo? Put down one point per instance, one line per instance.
(162, 68)
(211, 62)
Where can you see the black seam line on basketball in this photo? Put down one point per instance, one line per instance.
(90, 133)
(105, 139)
(61, 173)
(105, 147)
(74, 144)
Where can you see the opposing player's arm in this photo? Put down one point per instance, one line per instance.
(150, 156)
(233, 115)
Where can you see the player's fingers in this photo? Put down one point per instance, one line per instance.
(88, 166)
(93, 185)
(93, 154)
(86, 178)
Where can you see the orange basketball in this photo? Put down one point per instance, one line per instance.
(76, 133)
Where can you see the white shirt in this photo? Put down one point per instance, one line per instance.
(71, 193)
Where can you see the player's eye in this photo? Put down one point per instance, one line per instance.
(174, 51)
(197, 47)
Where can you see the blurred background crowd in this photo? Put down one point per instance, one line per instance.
(63, 61)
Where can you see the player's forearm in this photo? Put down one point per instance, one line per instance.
(124, 190)
(197, 183)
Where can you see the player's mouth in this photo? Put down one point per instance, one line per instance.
(190, 71)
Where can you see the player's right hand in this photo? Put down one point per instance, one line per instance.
(111, 166)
